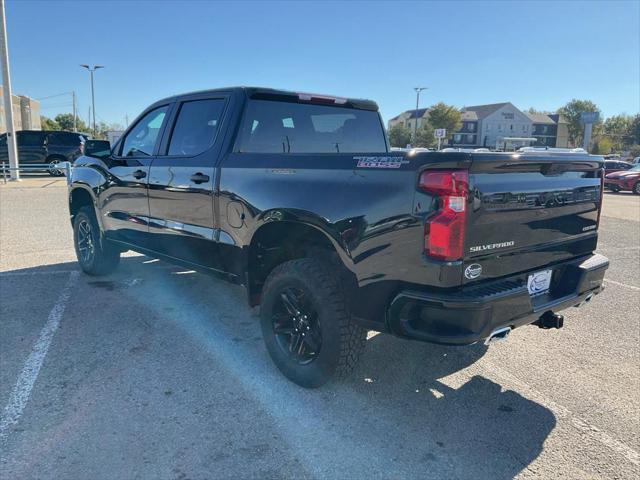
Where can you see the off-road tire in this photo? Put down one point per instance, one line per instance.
(342, 340)
(106, 256)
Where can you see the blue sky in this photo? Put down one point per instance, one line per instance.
(538, 54)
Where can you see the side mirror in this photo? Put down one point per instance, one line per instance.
(97, 148)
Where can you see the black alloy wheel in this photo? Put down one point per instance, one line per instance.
(296, 326)
(85, 242)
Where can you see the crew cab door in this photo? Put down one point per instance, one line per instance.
(182, 182)
(124, 204)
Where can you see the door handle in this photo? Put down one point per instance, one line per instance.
(199, 178)
(139, 174)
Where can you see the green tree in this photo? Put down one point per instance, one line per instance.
(399, 136)
(424, 137)
(602, 146)
(573, 111)
(634, 130)
(634, 151)
(445, 116)
(618, 130)
(48, 124)
(65, 121)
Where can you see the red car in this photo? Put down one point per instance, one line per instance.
(611, 166)
(624, 180)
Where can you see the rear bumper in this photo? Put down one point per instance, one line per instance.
(470, 314)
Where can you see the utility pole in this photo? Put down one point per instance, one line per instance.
(75, 112)
(93, 98)
(6, 92)
(415, 127)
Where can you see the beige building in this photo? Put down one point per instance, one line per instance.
(500, 126)
(26, 113)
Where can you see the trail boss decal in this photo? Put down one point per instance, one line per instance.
(491, 246)
(380, 162)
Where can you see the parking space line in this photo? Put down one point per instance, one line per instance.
(22, 389)
(622, 284)
(564, 413)
(36, 272)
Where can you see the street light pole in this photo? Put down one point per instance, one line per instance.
(415, 126)
(6, 92)
(93, 98)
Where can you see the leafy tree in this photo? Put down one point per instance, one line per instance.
(424, 137)
(573, 111)
(634, 151)
(399, 136)
(618, 130)
(445, 116)
(634, 130)
(65, 121)
(48, 124)
(602, 146)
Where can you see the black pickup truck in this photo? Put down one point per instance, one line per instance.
(299, 198)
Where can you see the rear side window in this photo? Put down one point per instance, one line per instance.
(282, 127)
(30, 139)
(196, 127)
(65, 139)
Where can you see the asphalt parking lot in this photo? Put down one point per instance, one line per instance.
(159, 372)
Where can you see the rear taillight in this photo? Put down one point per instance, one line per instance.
(444, 229)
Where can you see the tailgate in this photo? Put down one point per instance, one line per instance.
(528, 211)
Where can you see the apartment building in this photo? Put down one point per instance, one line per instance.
(498, 126)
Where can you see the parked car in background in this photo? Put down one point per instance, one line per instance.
(45, 147)
(635, 161)
(624, 180)
(611, 166)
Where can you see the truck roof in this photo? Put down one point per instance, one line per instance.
(284, 95)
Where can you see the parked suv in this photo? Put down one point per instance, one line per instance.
(298, 197)
(44, 147)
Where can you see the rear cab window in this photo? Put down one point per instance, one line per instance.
(272, 126)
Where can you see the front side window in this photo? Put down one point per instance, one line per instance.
(196, 127)
(283, 127)
(141, 140)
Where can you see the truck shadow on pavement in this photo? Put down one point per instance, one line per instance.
(409, 410)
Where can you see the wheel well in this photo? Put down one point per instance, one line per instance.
(79, 198)
(279, 242)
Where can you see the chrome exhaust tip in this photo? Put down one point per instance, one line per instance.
(498, 335)
(587, 299)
